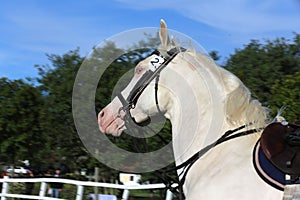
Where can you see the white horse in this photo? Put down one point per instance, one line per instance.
(202, 101)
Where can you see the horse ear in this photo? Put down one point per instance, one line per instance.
(163, 33)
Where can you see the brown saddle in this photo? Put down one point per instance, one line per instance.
(281, 144)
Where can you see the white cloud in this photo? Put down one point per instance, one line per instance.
(236, 16)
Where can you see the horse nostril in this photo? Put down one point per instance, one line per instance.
(101, 114)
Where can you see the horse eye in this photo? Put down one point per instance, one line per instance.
(139, 70)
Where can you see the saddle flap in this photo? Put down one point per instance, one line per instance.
(281, 144)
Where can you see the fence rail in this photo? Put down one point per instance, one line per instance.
(80, 187)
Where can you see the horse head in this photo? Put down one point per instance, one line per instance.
(137, 100)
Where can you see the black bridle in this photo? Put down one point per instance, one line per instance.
(130, 103)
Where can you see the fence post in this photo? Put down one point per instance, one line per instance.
(169, 195)
(4, 188)
(125, 194)
(43, 189)
(79, 192)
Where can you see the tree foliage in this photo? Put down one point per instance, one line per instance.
(286, 92)
(63, 145)
(264, 66)
(20, 103)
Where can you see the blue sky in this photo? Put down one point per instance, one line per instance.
(30, 29)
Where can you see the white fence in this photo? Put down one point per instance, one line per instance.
(80, 187)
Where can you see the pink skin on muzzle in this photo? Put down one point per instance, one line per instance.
(110, 120)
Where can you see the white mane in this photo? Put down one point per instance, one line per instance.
(241, 108)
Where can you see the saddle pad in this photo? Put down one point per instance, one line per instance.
(266, 170)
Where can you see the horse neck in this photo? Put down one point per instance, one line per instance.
(197, 108)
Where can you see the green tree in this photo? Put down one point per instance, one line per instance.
(63, 145)
(20, 103)
(286, 92)
(261, 65)
(214, 55)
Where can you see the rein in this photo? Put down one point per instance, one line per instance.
(186, 166)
